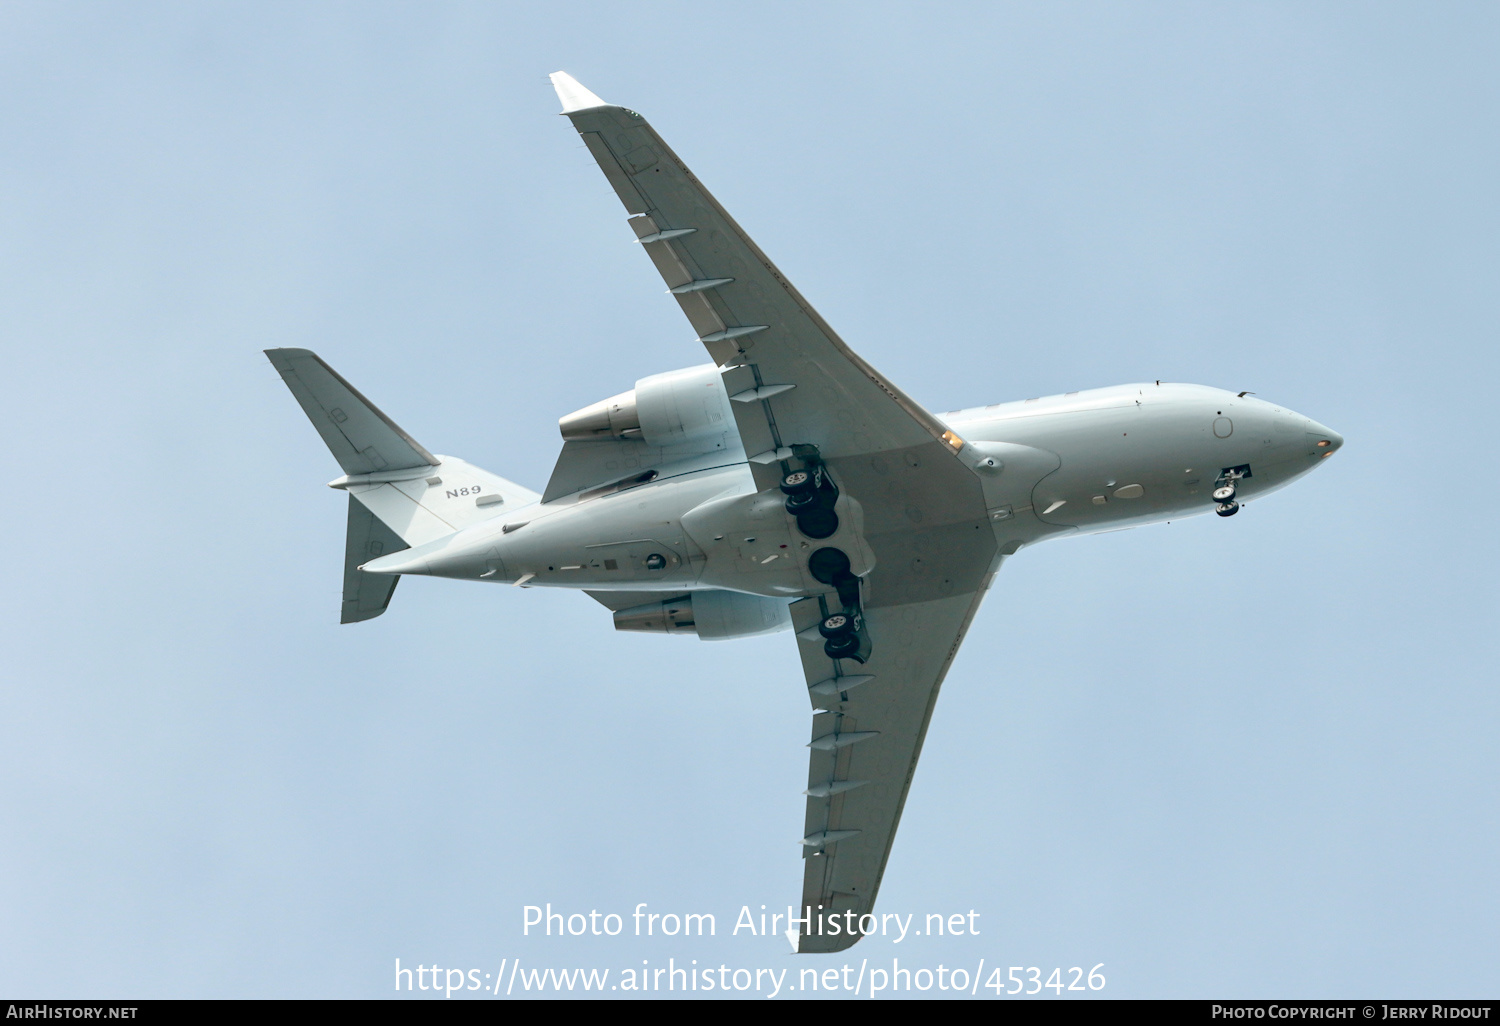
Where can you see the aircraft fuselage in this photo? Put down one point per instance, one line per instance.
(1084, 462)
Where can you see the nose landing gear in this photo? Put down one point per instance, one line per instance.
(1226, 487)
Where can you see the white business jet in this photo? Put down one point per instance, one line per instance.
(788, 485)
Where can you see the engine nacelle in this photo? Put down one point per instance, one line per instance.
(674, 409)
(712, 615)
(614, 417)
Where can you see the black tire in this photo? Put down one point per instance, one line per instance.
(799, 482)
(841, 648)
(828, 565)
(836, 626)
(818, 523)
(820, 498)
(1228, 509)
(1224, 494)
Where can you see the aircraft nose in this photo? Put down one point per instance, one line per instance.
(1323, 440)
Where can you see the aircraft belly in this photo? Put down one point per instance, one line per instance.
(751, 543)
(630, 539)
(626, 541)
(1128, 465)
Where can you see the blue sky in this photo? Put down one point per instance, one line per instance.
(1248, 757)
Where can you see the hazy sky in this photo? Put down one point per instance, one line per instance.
(1243, 757)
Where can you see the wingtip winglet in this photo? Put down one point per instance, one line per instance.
(573, 94)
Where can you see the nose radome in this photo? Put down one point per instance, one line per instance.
(1324, 441)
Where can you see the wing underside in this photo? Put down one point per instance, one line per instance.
(799, 393)
(868, 727)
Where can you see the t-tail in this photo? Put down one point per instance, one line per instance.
(400, 495)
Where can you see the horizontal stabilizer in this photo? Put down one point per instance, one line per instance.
(366, 595)
(361, 438)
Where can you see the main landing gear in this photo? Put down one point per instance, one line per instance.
(844, 634)
(840, 635)
(810, 496)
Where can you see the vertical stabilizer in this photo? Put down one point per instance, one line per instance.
(400, 494)
(366, 595)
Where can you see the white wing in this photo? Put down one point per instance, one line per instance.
(867, 734)
(794, 379)
(794, 382)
